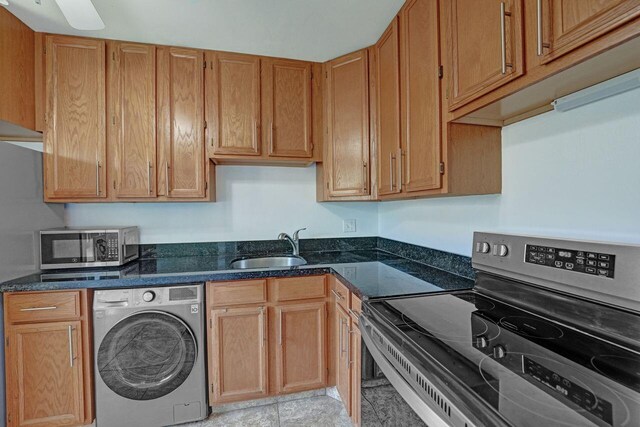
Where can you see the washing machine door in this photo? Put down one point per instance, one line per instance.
(147, 355)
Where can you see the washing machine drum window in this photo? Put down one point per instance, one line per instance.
(147, 355)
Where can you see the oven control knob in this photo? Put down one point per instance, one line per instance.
(148, 296)
(500, 250)
(481, 341)
(483, 247)
(499, 352)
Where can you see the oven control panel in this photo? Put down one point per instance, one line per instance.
(598, 264)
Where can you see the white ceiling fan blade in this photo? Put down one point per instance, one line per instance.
(81, 14)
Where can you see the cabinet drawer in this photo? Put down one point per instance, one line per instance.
(237, 293)
(298, 288)
(341, 294)
(36, 307)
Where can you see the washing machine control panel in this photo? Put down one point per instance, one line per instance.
(148, 297)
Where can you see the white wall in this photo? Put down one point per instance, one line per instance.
(253, 203)
(22, 212)
(573, 174)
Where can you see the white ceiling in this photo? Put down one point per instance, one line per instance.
(314, 30)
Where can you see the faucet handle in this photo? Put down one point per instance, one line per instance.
(295, 233)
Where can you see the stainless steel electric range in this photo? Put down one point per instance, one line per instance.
(549, 336)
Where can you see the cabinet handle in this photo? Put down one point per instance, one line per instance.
(503, 36)
(353, 313)
(348, 358)
(262, 334)
(365, 174)
(280, 329)
(271, 137)
(341, 336)
(255, 133)
(97, 177)
(539, 25)
(400, 164)
(70, 330)
(166, 177)
(149, 176)
(52, 307)
(391, 171)
(337, 294)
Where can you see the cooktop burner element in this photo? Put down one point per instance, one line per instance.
(614, 366)
(531, 327)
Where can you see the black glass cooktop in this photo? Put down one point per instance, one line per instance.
(531, 370)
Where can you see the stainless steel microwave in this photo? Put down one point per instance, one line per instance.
(88, 247)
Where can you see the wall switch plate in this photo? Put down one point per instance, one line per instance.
(349, 226)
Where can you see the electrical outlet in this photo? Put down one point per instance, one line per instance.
(349, 226)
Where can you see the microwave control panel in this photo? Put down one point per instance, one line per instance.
(594, 263)
(107, 247)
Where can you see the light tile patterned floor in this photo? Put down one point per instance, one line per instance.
(317, 411)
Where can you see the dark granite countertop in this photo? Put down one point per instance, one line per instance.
(370, 273)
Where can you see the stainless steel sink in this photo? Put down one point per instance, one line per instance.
(268, 262)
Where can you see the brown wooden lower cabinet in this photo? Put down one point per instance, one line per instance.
(301, 350)
(267, 337)
(343, 379)
(48, 361)
(238, 354)
(347, 348)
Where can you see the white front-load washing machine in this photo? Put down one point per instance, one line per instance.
(149, 356)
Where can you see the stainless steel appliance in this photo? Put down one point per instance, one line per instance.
(149, 356)
(88, 247)
(549, 336)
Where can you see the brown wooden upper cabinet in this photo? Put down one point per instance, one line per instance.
(407, 85)
(233, 103)
(132, 109)
(421, 119)
(75, 134)
(181, 122)
(347, 152)
(387, 86)
(286, 108)
(486, 40)
(17, 70)
(564, 25)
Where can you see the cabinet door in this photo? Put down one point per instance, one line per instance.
(75, 136)
(181, 121)
(355, 351)
(238, 354)
(132, 92)
(233, 101)
(343, 378)
(45, 375)
(301, 347)
(421, 117)
(487, 46)
(286, 108)
(348, 125)
(387, 84)
(564, 25)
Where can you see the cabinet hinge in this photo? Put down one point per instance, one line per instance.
(211, 388)
(7, 341)
(440, 72)
(205, 124)
(206, 186)
(204, 65)
(114, 184)
(441, 168)
(211, 326)
(113, 120)
(113, 56)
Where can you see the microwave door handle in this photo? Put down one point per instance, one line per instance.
(88, 248)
